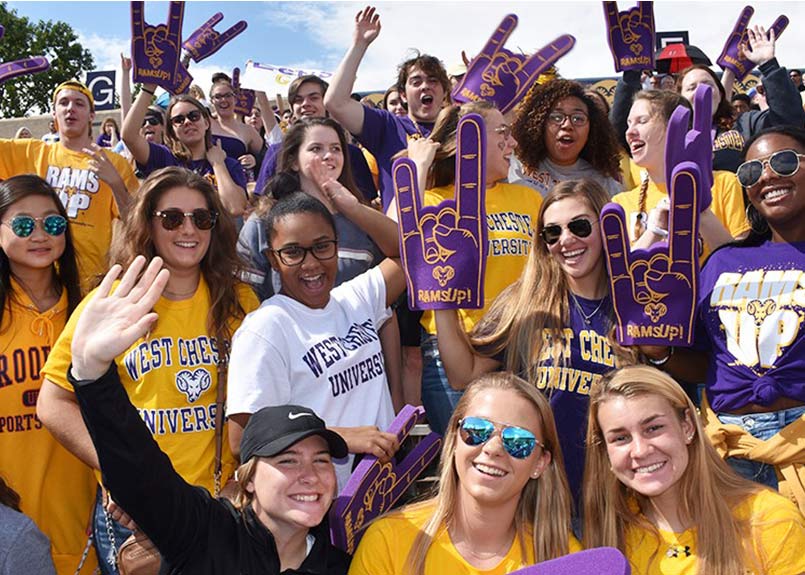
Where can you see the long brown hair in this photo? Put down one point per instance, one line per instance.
(543, 511)
(723, 115)
(709, 489)
(177, 148)
(527, 320)
(220, 266)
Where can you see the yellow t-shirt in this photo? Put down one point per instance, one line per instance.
(511, 215)
(385, 546)
(777, 536)
(56, 490)
(89, 202)
(727, 204)
(171, 378)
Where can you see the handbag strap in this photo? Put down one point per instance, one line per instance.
(220, 398)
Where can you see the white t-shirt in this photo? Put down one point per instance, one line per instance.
(328, 359)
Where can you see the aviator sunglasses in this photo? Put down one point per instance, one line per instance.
(192, 115)
(580, 228)
(518, 442)
(23, 226)
(784, 163)
(173, 218)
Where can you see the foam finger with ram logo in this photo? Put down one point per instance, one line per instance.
(156, 50)
(731, 57)
(631, 36)
(206, 40)
(244, 98)
(374, 487)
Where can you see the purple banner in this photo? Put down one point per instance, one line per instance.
(374, 487)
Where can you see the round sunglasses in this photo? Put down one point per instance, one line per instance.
(581, 228)
(173, 218)
(784, 163)
(518, 442)
(23, 226)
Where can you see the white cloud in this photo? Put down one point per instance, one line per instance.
(445, 28)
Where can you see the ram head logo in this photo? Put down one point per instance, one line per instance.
(760, 310)
(193, 383)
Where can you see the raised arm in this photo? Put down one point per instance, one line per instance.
(461, 364)
(337, 100)
(125, 87)
(233, 196)
(135, 142)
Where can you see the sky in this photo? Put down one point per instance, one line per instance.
(315, 35)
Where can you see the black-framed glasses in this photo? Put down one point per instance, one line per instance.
(219, 97)
(518, 442)
(24, 226)
(173, 218)
(154, 121)
(192, 115)
(576, 118)
(295, 255)
(581, 228)
(784, 163)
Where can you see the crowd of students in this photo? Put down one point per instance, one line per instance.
(203, 327)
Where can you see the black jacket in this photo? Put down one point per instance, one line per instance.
(195, 533)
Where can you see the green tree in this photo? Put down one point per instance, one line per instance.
(57, 42)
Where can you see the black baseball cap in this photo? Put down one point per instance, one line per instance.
(272, 430)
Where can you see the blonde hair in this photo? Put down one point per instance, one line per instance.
(527, 320)
(543, 511)
(243, 476)
(708, 488)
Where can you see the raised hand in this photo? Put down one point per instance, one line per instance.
(631, 36)
(694, 145)
(444, 247)
(367, 26)
(654, 290)
(244, 98)
(110, 323)
(501, 76)
(376, 485)
(23, 66)
(737, 53)
(341, 198)
(100, 164)
(206, 41)
(156, 49)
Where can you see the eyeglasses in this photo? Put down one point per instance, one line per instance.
(23, 226)
(576, 118)
(784, 163)
(154, 121)
(173, 218)
(295, 255)
(504, 130)
(219, 97)
(193, 116)
(581, 228)
(518, 442)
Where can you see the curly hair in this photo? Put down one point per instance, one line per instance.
(221, 266)
(601, 148)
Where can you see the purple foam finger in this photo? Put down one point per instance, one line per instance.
(541, 61)
(683, 225)
(373, 487)
(9, 70)
(631, 36)
(780, 25)
(406, 192)
(471, 175)
(599, 561)
(730, 55)
(206, 41)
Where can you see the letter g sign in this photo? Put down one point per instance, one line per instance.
(102, 86)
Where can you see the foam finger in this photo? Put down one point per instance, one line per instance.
(616, 240)
(686, 182)
(470, 171)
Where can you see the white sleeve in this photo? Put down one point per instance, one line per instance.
(258, 373)
(370, 289)
(274, 136)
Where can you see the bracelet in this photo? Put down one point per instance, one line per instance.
(146, 91)
(663, 361)
(658, 231)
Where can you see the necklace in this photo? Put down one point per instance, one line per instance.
(180, 295)
(485, 556)
(587, 318)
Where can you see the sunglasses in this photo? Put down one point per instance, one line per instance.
(193, 116)
(295, 255)
(518, 442)
(784, 163)
(23, 226)
(154, 121)
(173, 218)
(580, 228)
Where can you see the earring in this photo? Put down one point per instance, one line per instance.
(690, 438)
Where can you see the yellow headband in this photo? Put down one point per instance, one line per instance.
(78, 87)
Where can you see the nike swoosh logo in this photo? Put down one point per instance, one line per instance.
(298, 415)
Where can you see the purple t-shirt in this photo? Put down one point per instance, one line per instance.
(160, 156)
(590, 356)
(385, 134)
(751, 312)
